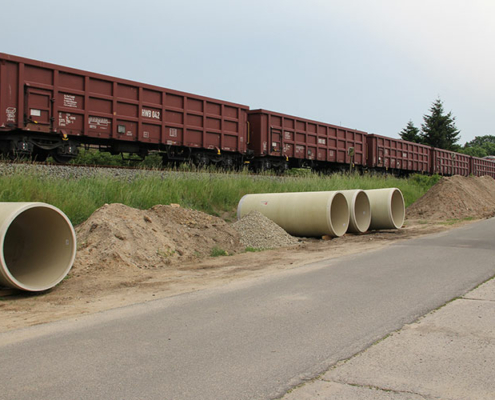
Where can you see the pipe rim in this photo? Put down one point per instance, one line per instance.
(4, 228)
(337, 227)
(397, 212)
(352, 216)
(239, 207)
(359, 224)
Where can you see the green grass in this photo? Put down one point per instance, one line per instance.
(218, 252)
(213, 193)
(254, 249)
(453, 221)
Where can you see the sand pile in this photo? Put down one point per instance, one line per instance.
(117, 235)
(456, 197)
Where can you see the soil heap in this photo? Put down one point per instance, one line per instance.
(456, 197)
(120, 236)
(117, 236)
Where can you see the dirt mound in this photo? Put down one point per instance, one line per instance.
(456, 197)
(259, 232)
(118, 236)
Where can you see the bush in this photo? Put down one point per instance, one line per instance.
(425, 181)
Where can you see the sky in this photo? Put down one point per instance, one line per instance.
(367, 65)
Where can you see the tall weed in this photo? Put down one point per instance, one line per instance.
(213, 193)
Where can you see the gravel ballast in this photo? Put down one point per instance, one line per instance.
(74, 172)
(57, 171)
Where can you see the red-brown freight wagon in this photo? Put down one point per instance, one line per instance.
(482, 166)
(281, 141)
(47, 109)
(445, 162)
(397, 155)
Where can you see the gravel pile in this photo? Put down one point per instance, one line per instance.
(259, 232)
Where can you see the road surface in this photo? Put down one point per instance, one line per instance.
(248, 340)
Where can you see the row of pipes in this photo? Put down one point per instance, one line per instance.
(38, 241)
(314, 214)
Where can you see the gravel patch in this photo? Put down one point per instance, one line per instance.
(58, 171)
(259, 232)
(47, 171)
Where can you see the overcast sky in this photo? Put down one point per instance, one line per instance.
(369, 65)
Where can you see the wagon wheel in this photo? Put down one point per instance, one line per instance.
(262, 166)
(39, 155)
(202, 160)
(61, 159)
(227, 162)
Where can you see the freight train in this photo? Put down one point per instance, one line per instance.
(51, 110)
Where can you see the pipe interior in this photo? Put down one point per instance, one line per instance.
(38, 248)
(398, 209)
(339, 214)
(362, 213)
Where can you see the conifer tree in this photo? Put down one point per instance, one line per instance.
(410, 133)
(439, 129)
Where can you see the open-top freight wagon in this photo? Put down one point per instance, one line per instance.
(445, 162)
(284, 141)
(50, 110)
(482, 166)
(397, 156)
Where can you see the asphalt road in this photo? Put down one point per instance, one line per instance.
(249, 340)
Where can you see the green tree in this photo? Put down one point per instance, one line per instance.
(439, 129)
(480, 146)
(480, 141)
(410, 133)
(475, 151)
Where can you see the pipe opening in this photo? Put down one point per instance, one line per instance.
(362, 214)
(397, 209)
(387, 208)
(38, 248)
(339, 214)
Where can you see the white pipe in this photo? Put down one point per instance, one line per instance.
(37, 246)
(301, 213)
(359, 205)
(387, 208)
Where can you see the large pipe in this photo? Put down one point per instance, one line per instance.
(360, 210)
(37, 246)
(387, 208)
(301, 214)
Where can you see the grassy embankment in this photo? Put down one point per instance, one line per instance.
(213, 193)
